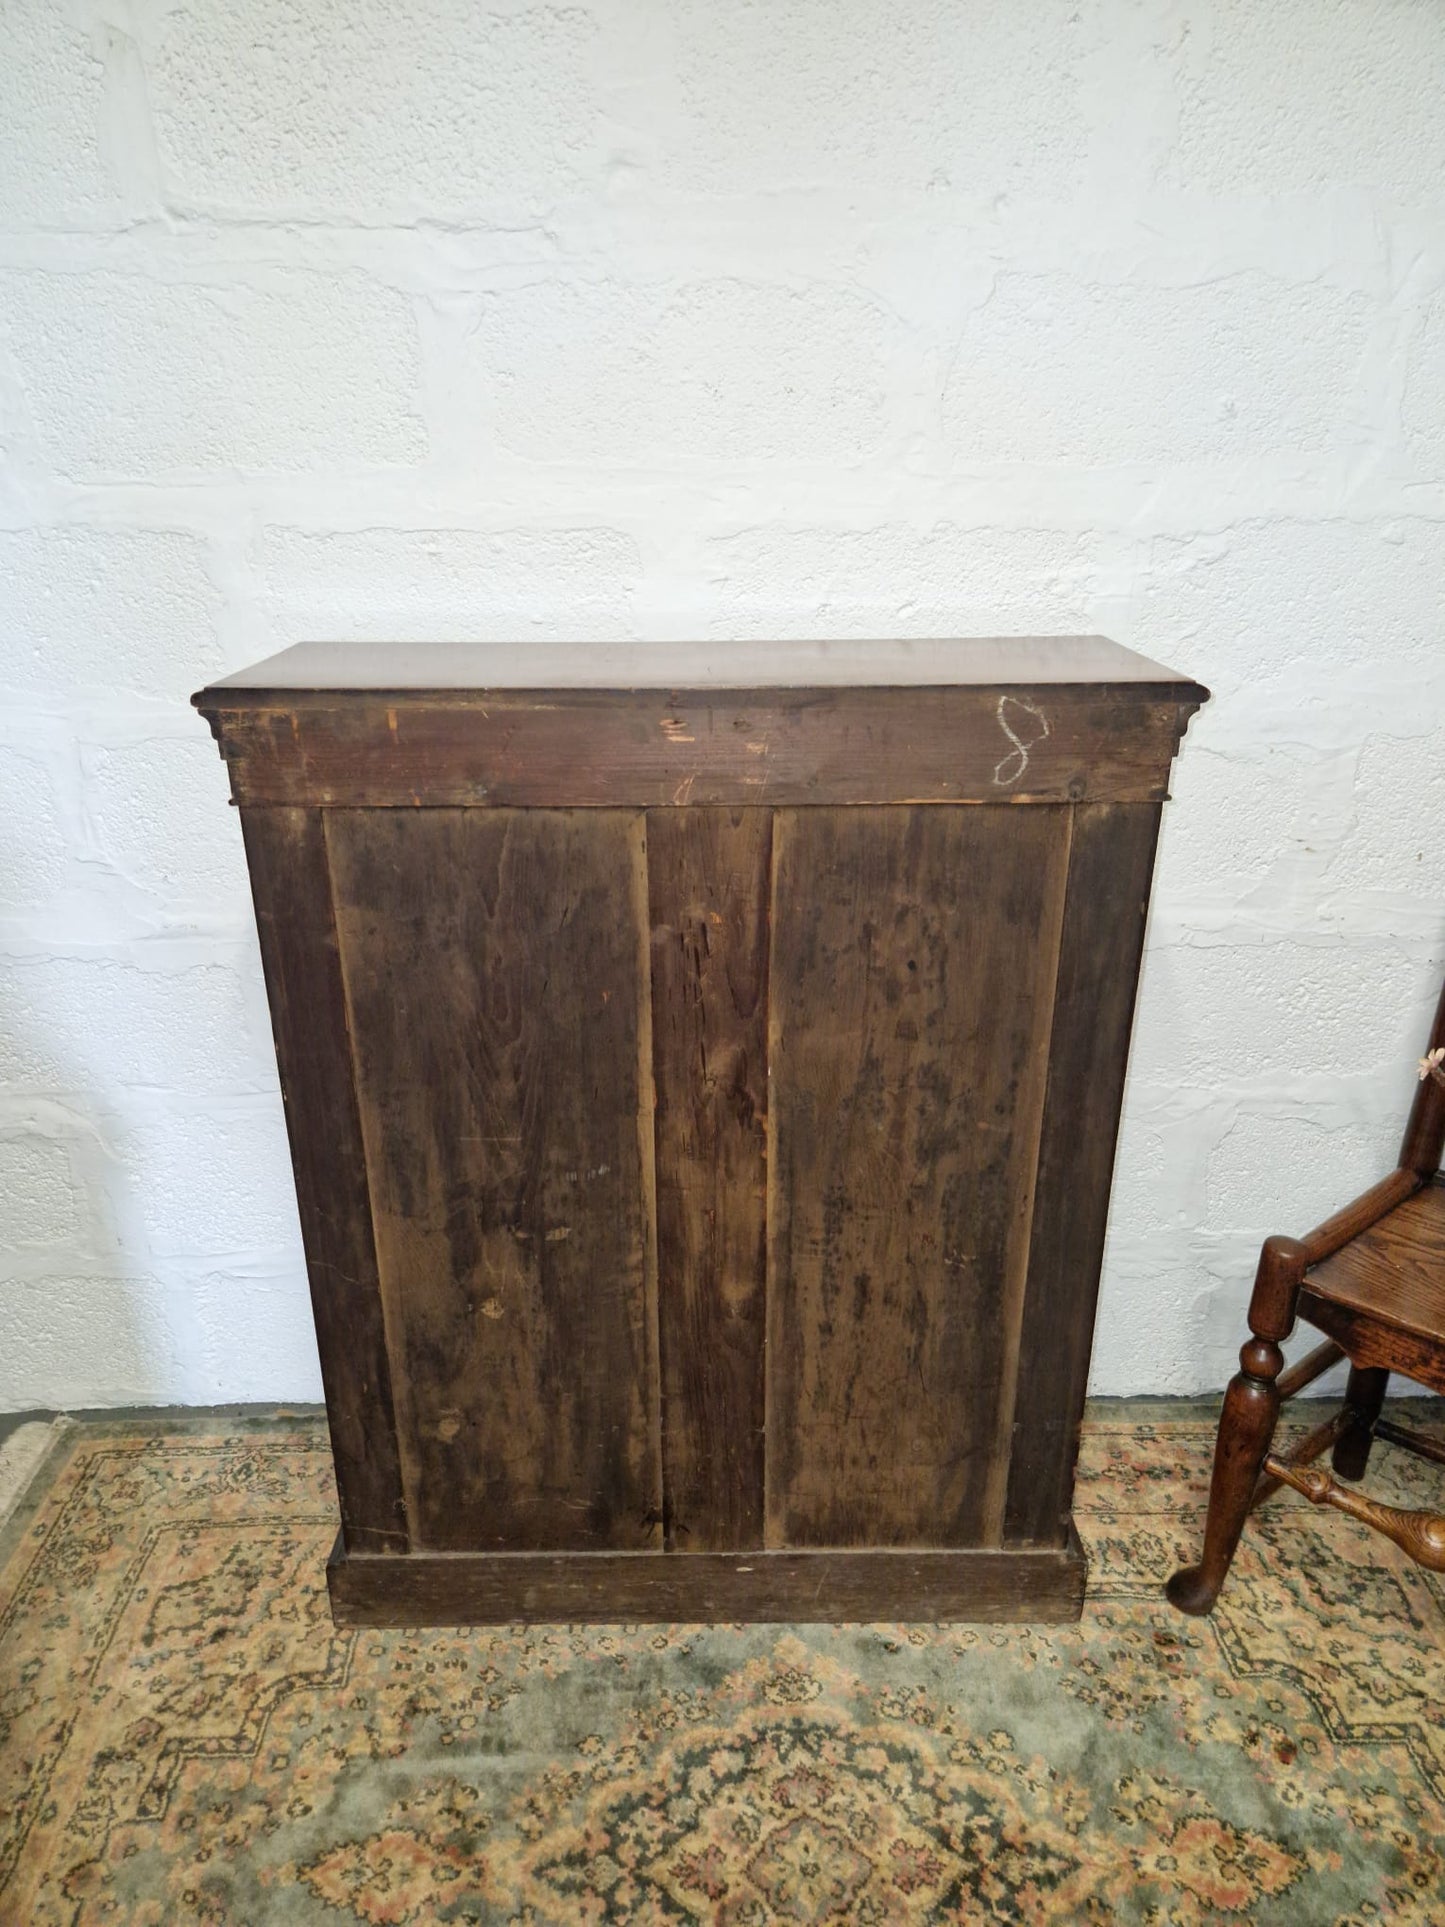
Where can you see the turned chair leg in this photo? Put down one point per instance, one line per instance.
(1364, 1395)
(1246, 1425)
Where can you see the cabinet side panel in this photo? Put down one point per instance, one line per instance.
(914, 956)
(495, 966)
(1103, 941)
(708, 885)
(286, 851)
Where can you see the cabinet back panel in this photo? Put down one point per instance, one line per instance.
(709, 886)
(914, 961)
(496, 983)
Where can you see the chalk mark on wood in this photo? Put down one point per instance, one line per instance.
(1017, 761)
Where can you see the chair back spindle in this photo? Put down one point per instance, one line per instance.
(1425, 1132)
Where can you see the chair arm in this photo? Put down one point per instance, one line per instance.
(1283, 1262)
(1372, 1205)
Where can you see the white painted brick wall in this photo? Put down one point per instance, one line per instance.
(714, 318)
(412, 585)
(129, 376)
(438, 110)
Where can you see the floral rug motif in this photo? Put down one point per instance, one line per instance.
(184, 1736)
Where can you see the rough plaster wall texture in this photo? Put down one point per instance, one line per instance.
(668, 317)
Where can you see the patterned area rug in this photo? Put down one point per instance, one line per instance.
(185, 1738)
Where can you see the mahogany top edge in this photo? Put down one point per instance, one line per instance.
(472, 668)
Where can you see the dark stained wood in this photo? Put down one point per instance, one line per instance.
(1373, 1278)
(1424, 1142)
(1110, 866)
(703, 1065)
(1372, 1205)
(1394, 1270)
(1420, 1443)
(1382, 1294)
(1421, 1535)
(290, 884)
(1373, 1345)
(914, 954)
(1251, 1410)
(1044, 1585)
(1309, 1368)
(1246, 1428)
(653, 749)
(1364, 1395)
(708, 876)
(458, 668)
(1316, 1441)
(495, 973)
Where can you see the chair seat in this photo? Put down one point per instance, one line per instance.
(1388, 1280)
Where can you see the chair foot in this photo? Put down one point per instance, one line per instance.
(1246, 1424)
(1191, 1592)
(1246, 1427)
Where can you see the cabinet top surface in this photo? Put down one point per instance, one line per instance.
(459, 667)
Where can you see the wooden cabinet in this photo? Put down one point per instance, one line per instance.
(702, 1075)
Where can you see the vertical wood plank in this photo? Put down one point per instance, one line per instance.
(495, 969)
(1103, 940)
(708, 878)
(914, 954)
(291, 886)
(655, 1517)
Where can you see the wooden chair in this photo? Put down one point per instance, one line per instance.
(1373, 1278)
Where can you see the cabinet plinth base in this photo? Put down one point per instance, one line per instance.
(1038, 1584)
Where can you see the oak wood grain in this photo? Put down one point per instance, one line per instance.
(1394, 1268)
(584, 748)
(1110, 865)
(914, 956)
(708, 881)
(291, 887)
(1382, 1296)
(1044, 1585)
(1421, 1535)
(862, 663)
(495, 971)
(1357, 1216)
